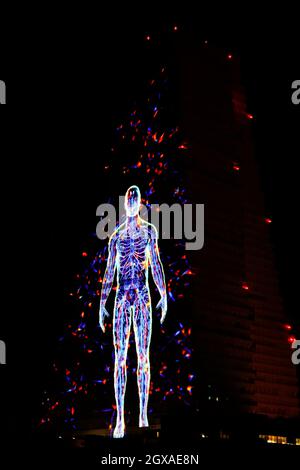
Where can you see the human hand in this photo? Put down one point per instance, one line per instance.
(102, 314)
(163, 305)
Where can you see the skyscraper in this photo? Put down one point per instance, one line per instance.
(243, 348)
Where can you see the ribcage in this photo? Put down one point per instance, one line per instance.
(133, 254)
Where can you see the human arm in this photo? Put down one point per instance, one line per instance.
(108, 279)
(158, 272)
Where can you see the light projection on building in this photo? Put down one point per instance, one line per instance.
(133, 248)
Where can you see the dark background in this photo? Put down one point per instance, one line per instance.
(71, 76)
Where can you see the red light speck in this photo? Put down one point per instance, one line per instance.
(229, 56)
(84, 254)
(250, 116)
(287, 326)
(245, 286)
(268, 220)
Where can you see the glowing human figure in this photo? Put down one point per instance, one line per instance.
(132, 249)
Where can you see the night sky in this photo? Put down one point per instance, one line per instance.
(69, 82)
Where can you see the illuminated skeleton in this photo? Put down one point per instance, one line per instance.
(132, 249)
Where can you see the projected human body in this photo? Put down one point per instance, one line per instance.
(132, 249)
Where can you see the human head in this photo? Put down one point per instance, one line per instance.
(132, 201)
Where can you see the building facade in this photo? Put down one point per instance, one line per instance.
(243, 348)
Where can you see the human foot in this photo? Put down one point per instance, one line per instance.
(143, 422)
(119, 429)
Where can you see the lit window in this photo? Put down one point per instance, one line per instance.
(291, 339)
(274, 439)
(236, 166)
